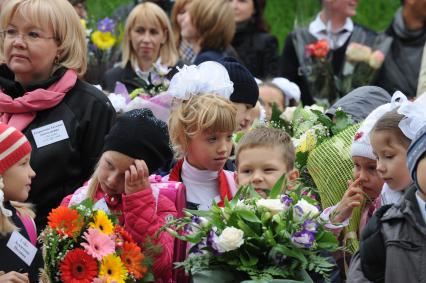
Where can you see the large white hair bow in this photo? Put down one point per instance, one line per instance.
(290, 89)
(209, 76)
(415, 116)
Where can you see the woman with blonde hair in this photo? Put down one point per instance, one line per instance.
(209, 27)
(148, 40)
(183, 43)
(65, 119)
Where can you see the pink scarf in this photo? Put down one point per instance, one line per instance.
(20, 112)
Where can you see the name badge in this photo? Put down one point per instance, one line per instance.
(22, 247)
(50, 134)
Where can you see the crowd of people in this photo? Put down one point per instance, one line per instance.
(62, 140)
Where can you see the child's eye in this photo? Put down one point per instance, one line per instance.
(211, 139)
(270, 170)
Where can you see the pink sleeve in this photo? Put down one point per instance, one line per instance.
(66, 200)
(143, 217)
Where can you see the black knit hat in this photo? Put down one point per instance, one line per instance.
(415, 153)
(245, 88)
(140, 135)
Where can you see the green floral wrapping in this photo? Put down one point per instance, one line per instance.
(330, 166)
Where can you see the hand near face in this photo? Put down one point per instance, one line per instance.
(14, 277)
(352, 198)
(136, 177)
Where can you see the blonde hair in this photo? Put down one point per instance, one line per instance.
(65, 23)
(152, 13)
(177, 8)
(268, 137)
(207, 112)
(6, 224)
(214, 22)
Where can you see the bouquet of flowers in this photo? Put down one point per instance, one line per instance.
(320, 75)
(103, 45)
(81, 244)
(157, 82)
(361, 66)
(281, 237)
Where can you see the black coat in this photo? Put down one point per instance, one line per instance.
(63, 166)
(257, 51)
(128, 77)
(9, 261)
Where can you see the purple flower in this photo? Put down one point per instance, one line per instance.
(212, 240)
(286, 200)
(303, 239)
(106, 25)
(310, 226)
(195, 219)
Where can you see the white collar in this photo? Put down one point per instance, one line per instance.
(144, 74)
(318, 26)
(422, 205)
(197, 175)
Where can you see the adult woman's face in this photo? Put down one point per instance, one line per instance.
(187, 29)
(29, 50)
(243, 9)
(146, 40)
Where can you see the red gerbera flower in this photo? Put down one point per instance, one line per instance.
(78, 266)
(65, 220)
(132, 258)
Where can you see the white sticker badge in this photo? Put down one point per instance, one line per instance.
(22, 247)
(50, 134)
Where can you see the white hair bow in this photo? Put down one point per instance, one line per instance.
(415, 117)
(209, 77)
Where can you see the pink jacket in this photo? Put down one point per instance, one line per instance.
(143, 216)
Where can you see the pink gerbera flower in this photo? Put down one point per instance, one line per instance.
(98, 244)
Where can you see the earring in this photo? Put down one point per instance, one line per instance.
(56, 62)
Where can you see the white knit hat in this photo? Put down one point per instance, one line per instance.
(361, 145)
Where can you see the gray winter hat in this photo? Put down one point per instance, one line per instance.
(360, 102)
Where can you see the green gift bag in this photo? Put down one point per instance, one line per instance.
(330, 166)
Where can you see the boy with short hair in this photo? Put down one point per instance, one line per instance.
(263, 155)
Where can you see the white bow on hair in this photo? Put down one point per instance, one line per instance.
(414, 116)
(3, 210)
(208, 77)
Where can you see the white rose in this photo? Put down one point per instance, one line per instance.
(230, 239)
(303, 208)
(275, 206)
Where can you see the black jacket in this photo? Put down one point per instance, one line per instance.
(9, 261)
(257, 51)
(128, 77)
(63, 166)
(401, 68)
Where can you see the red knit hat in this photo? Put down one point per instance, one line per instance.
(13, 146)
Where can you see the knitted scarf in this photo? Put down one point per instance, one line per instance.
(20, 112)
(224, 188)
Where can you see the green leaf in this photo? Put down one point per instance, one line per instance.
(248, 215)
(296, 253)
(246, 229)
(201, 213)
(278, 187)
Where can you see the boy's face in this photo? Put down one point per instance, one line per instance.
(421, 177)
(365, 169)
(391, 159)
(17, 180)
(261, 167)
(209, 151)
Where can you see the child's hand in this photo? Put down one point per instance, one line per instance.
(14, 277)
(352, 198)
(136, 178)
